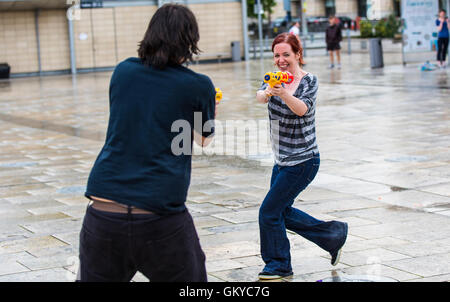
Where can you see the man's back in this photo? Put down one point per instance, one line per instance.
(137, 165)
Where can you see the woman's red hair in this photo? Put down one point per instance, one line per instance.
(292, 40)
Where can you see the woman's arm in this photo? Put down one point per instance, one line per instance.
(296, 105)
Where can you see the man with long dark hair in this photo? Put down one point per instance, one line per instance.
(137, 219)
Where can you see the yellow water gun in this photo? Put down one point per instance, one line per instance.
(219, 95)
(274, 78)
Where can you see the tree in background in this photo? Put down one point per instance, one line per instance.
(384, 28)
(381, 29)
(393, 25)
(267, 5)
(365, 28)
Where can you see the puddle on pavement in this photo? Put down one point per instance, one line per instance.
(407, 159)
(397, 189)
(75, 190)
(50, 126)
(340, 277)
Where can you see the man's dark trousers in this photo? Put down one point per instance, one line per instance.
(162, 248)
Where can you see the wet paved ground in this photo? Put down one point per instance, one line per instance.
(384, 138)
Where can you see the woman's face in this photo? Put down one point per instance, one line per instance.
(284, 58)
(442, 15)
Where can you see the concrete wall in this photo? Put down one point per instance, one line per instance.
(131, 24)
(18, 41)
(105, 36)
(219, 23)
(348, 8)
(278, 10)
(315, 7)
(54, 40)
(379, 8)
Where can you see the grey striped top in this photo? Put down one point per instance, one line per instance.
(293, 137)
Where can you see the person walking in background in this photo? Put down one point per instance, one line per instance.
(292, 110)
(443, 28)
(295, 30)
(333, 36)
(138, 220)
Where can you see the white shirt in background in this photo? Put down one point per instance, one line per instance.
(294, 30)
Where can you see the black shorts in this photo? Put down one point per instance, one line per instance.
(333, 46)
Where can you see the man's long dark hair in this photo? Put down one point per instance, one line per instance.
(171, 37)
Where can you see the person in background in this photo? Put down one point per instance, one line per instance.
(292, 109)
(443, 28)
(295, 30)
(333, 36)
(137, 219)
(357, 21)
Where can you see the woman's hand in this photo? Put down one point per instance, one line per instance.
(279, 90)
(296, 105)
(268, 92)
(262, 96)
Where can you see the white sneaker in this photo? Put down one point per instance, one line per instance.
(268, 276)
(338, 66)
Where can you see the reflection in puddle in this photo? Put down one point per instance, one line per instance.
(443, 80)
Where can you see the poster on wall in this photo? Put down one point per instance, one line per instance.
(419, 18)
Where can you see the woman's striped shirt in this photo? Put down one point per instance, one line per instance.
(293, 137)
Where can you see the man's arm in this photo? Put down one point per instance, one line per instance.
(201, 140)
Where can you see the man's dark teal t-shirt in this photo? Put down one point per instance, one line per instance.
(137, 165)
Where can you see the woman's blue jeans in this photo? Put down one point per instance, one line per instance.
(276, 214)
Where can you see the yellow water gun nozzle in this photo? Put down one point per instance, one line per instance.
(219, 95)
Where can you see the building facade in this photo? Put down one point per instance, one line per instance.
(45, 36)
(371, 9)
(55, 36)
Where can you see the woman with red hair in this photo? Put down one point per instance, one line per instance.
(292, 110)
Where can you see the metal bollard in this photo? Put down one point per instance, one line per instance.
(304, 46)
(349, 41)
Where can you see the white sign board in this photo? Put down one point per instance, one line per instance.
(419, 17)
